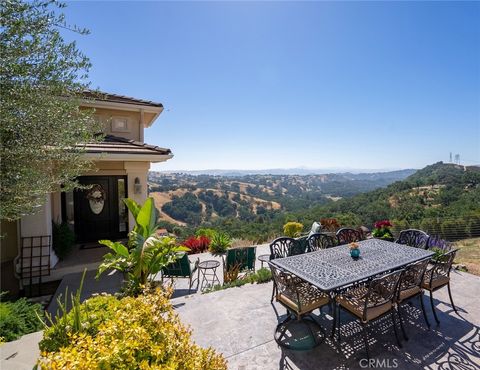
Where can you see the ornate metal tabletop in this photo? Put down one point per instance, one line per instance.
(332, 268)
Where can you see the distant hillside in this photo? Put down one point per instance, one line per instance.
(185, 199)
(443, 199)
(440, 198)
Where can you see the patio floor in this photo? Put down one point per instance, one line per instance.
(240, 322)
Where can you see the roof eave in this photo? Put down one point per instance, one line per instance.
(123, 106)
(153, 158)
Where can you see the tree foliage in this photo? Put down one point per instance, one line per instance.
(41, 79)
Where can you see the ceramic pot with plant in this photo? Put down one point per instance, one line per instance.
(354, 250)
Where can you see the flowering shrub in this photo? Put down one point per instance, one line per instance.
(197, 244)
(292, 229)
(140, 332)
(382, 230)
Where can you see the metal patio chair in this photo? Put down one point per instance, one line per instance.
(438, 276)
(280, 248)
(237, 261)
(319, 241)
(348, 235)
(413, 238)
(300, 298)
(182, 268)
(370, 301)
(410, 286)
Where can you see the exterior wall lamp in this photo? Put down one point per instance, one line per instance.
(137, 186)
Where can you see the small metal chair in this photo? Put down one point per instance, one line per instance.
(182, 268)
(319, 241)
(410, 286)
(238, 260)
(413, 238)
(280, 248)
(438, 276)
(368, 302)
(300, 298)
(348, 235)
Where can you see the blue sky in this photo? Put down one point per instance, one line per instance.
(255, 85)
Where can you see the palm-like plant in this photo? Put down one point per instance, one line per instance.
(219, 243)
(146, 254)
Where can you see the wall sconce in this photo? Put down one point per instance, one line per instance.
(137, 187)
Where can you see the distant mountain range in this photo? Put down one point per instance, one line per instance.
(289, 171)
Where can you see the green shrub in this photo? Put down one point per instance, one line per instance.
(205, 232)
(292, 229)
(63, 239)
(263, 275)
(19, 318)
(140, 332)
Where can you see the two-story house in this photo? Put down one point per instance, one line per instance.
(121, 164)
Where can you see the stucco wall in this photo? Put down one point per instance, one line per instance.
(137, 170)
(107, 117)
(105, 168)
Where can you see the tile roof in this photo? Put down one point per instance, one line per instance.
(120, 145)
(114, 98)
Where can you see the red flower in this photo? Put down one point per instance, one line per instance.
(197, 245)
(382, 224)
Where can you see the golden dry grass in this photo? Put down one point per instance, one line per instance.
(469, 254)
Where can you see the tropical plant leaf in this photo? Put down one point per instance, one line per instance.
(117, 247)
(132, 206)
(147, 218)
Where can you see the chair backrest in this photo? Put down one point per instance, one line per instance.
(382, 290)
(180, 268)
(319, 241)
(413, 275)
(282, 247)
(441, 268)
(242, 259)
(286, 283)
(300, 247)
(347, 235)
(413, 238)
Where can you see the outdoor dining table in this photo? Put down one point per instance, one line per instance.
(333, 268)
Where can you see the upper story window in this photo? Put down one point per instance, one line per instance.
(120, 124)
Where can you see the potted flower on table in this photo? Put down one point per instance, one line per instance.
(354, 250)
(382, 230)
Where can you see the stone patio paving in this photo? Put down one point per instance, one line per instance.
(240, 322)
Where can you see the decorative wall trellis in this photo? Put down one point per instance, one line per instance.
(34, 262)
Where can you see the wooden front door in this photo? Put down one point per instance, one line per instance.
(99, 212)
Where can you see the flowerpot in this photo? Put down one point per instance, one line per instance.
(355, 253)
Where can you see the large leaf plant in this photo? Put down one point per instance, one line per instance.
(146, 253)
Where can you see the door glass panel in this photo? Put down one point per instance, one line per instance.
(70, 209)
(122, 208)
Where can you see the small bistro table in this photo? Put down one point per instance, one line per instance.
(264, 258)
(208, 277)
(333, 268)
